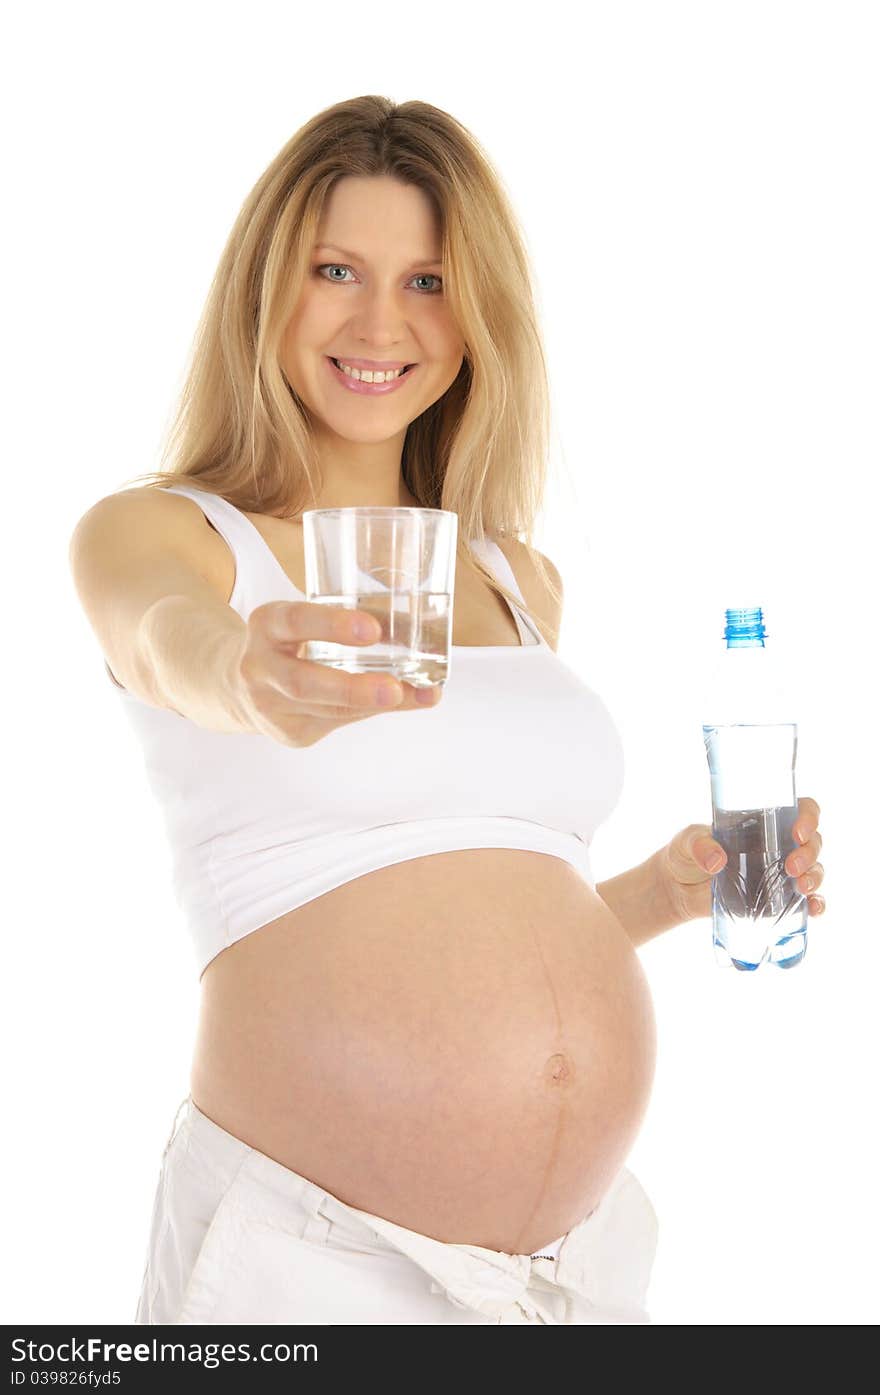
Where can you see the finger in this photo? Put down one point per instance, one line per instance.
(322, 690)
(420, 697)
(807, 818)
(295, 622)
(415, 699)
(802, 859)
(690, 852)
(812, 879)
(709, 855)
(326, 716)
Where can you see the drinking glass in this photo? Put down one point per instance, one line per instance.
(398, 565)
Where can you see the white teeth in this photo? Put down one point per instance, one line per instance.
(366, 376)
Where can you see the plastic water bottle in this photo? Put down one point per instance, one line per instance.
(750, 734)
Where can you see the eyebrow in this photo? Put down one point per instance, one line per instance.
(355, 257)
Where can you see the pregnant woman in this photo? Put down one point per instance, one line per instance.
(425, 1043)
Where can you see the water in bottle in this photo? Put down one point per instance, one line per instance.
(758, 915)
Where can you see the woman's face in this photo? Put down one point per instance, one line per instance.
(380, 299)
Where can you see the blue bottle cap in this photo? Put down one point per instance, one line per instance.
(744, 625)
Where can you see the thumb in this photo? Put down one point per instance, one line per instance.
(692, 853)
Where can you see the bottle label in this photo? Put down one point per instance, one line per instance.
(752, 767)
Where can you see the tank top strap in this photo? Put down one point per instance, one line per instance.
(229, 521)
(258, 573)
(491, 555)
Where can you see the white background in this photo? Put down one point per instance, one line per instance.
(697, 184)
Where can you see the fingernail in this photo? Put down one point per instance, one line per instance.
(714, 862)
(425, 697)
(365, 627)
(801, 835)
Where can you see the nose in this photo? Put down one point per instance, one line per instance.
(381, 312)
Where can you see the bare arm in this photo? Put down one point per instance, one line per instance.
(640, 900)
(142, 574)
(190, 650)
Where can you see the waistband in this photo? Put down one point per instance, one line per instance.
(606, 1259)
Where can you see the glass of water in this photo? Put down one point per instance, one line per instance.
(398, 565)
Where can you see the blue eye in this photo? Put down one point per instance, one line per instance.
(329, 266)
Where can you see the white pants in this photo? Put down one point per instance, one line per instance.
(238, 1238)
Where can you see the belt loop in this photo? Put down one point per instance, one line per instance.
(184, 1101)
(316, 1229)
(316, 1226)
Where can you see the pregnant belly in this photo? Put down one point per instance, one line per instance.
(462, 1043)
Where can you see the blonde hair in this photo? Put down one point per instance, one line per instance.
(481, 450)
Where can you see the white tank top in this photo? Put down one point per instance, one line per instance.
(519, 753)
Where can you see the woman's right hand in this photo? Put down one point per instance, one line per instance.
(297, 701)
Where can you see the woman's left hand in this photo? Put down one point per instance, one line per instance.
(687, 876)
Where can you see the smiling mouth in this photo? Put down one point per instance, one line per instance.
(403, 372)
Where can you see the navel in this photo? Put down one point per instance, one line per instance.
(559, 1069)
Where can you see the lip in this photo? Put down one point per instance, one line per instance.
(369, 389)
